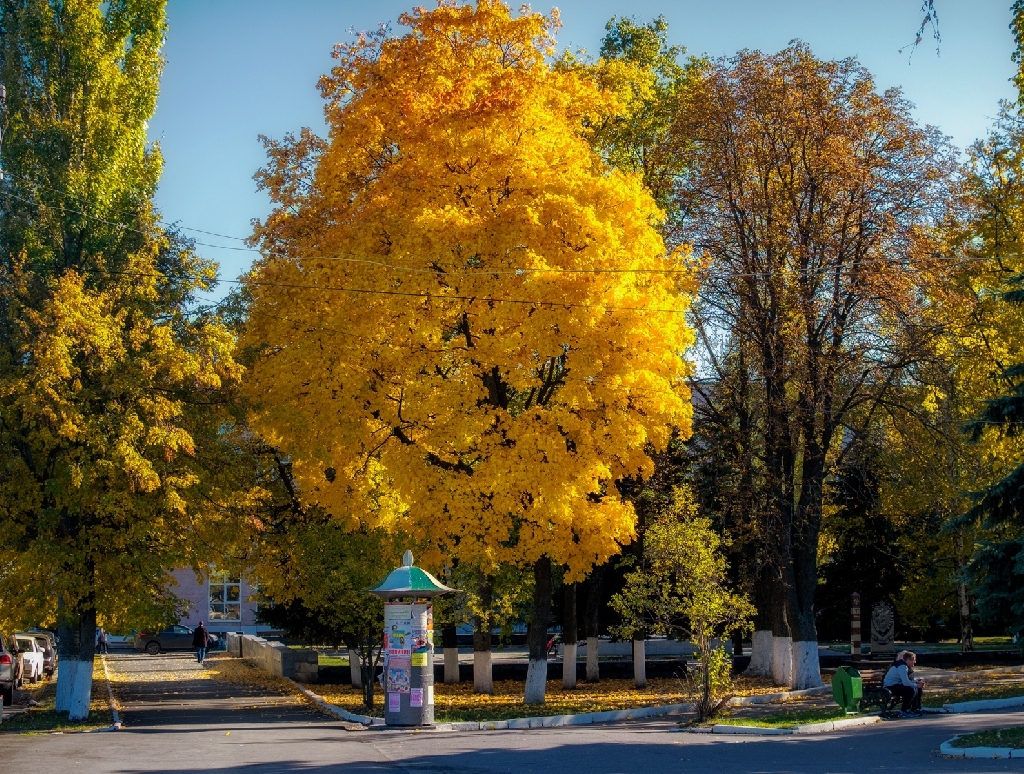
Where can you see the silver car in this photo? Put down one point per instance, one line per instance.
(10, 668)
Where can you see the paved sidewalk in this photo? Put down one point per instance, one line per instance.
(172, 689)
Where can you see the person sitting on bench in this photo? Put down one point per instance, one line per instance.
(900, 682)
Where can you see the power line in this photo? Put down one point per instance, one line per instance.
(348, 257)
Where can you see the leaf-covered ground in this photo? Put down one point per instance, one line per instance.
(1002, 737)
(43, 718)
(999, 688)
(459, 703)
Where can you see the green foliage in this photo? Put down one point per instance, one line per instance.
(110, 380)
(679, 587)
(640, 66)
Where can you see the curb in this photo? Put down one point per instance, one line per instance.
(946, 748)
(768, 698)
(544, 721)
(984, 704)
(807, 728)
(116, 725)
(333, 709)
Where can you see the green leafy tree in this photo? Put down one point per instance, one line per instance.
(109, 378)
(680, 587)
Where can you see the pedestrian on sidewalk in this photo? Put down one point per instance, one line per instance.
(200, 641)
(101, 641)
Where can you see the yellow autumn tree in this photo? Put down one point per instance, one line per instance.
(469, 324)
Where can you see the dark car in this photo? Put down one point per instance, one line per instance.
(10, 668)
(176, 637)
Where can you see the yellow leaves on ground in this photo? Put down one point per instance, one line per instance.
(469, 326)
(458, 702)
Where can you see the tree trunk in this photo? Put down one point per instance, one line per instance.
(76, 649)
(570, 635)
(639, 661)
(368, 664)
(806, 670)
(537, 672)
(782, 642)
(593, 623)
(450, 643)
(761, 642)
(355, 668)
(964, 597)
(483, 682)
(966, 627)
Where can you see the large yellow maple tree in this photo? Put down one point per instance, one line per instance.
(468, 323)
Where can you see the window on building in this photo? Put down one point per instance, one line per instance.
(225, 598)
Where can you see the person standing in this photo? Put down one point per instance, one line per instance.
(101, 641)
(200, 640)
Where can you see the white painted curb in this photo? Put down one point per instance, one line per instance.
(333, 709)
(807, 728)
(768, 698)
(116, 725)
(946, 748)
(545, 721)
(984, 704)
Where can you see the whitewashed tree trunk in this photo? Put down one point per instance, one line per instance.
(482, 680)
(74, 688)
(77, 651)
(806, 669)
(451, 665)
(782, 660)
(355, 670)
(569, 665)
(760, 655)
(593, 667)
(536, 679)
(640, 663)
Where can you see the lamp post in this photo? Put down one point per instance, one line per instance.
(409, 643)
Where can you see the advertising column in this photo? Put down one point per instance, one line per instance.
(408, 664)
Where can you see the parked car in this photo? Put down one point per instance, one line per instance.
(48, 645)
(31, 656)
(176, 637)
(10, 668)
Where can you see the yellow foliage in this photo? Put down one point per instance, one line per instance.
(468, 324)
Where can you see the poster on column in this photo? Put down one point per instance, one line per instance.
(422, 621)
(399, 674)
(398, 629)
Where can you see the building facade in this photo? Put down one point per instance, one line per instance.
(222, 602)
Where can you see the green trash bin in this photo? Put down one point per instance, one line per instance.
(848, 688)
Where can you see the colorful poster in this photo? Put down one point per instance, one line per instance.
(399, 672)
(419, 659)
(398, 629)
(416, 697)
(394, 702)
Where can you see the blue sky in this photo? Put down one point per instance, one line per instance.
(240, 68)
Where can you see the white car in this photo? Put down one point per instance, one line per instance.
(31, 656)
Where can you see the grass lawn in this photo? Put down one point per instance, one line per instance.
(952, 696)
(1003, 737)
(341, 661)
(43, 719)
(785, 719)
(454, 703)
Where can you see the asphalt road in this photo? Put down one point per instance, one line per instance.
(220, 729)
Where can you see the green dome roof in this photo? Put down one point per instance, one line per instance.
(409, 581)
